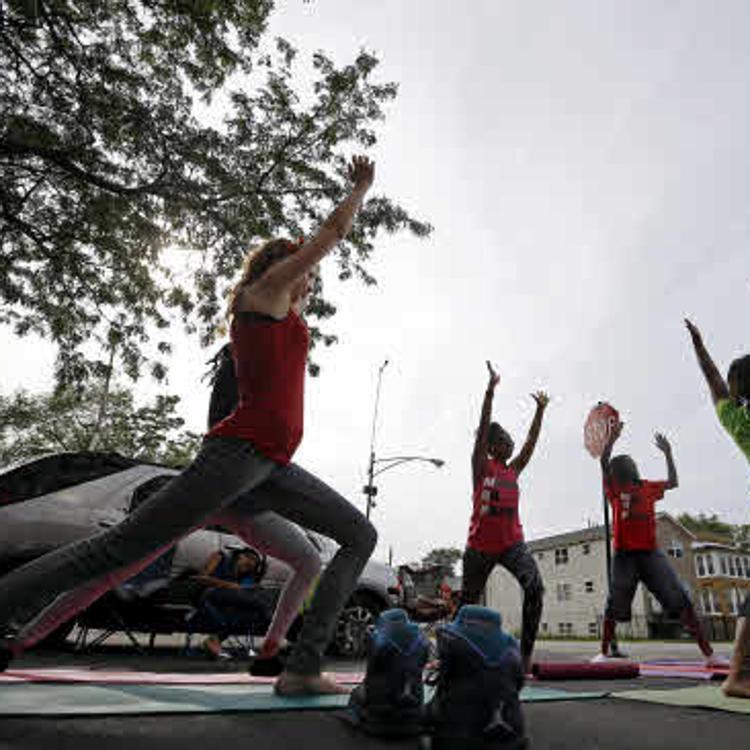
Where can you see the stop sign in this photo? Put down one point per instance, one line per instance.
(598, 428)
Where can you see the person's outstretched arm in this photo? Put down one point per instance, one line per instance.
(206, 576)
(479, 454)
(716, 383)
(518, 464)
(285, 273)
(607, 452)
(663, 445)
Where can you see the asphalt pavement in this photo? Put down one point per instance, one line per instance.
(607, 723)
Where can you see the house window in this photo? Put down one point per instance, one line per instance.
(565, 628)
(589, 587)
(746, 565)
(564, 592)
(545, 627)
(710, 564)
(708, 601)
(675, 549)
(540, 555)
(586, 549)
(593, 629)
(738, 566)
(561, 556)
(723, 564)
(734, 601)
(732, 571)
(699, 566)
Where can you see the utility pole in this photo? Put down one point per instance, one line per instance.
(370, 489)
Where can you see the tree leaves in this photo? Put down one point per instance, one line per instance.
(34, 424)
(135, 126)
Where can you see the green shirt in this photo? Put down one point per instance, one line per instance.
(736, 421)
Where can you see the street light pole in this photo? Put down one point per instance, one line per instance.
(370, 489)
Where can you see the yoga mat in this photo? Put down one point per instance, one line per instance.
(585, 670)
(48, 699)
(112, 677)
(700, 696)
(691, 670)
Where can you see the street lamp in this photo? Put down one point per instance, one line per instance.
(370, 490)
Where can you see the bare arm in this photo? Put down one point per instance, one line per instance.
(207, 578)
(479, 454)
(664, 446)
(716, 383)
(285, 273)
(518, 464)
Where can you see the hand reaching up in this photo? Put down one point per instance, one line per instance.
(541, 398)
(662, 443)
(494, 377)
(362, 172)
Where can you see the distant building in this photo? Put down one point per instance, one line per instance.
(573, 567)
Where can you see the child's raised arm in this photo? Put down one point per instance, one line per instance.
(716, 383)
(479, 454)
(518, 464)
(663, 445)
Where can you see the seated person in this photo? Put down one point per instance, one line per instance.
(230, 584)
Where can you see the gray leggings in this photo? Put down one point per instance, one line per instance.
(223, 470)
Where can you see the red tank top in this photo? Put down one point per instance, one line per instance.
(495, 524)
(270, 359)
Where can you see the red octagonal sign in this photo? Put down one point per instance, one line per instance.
(601, 420)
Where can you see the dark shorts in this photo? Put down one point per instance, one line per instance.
(652, 569)
(477, 566)
(745, 608)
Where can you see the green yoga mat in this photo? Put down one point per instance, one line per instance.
(701, 696)
(42, 699)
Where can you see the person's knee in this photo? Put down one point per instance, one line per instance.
(307, 565)
(366, 538)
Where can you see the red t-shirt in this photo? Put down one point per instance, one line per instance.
(270, 359)
(634, 518)
(495, 525)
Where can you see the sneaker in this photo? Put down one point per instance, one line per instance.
(600, 658)
(615, 653)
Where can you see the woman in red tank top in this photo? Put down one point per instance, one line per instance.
(243, 467)
(495, 531)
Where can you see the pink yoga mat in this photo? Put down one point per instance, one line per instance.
(585, 670)
(153, 678)
(691, 670)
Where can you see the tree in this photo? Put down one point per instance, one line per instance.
(706, 524)
(33, 424)
(446, 557)
(112, 150)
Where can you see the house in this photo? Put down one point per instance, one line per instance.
(573, 567)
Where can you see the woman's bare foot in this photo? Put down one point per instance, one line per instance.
(290, 683)
(734, 687)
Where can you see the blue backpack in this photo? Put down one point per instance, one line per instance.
(390, 701)
(476, 701)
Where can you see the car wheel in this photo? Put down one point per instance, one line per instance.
(353, 625)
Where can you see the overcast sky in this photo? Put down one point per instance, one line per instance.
(586, 166)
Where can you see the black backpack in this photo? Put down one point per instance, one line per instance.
(476, 701)
(390, 702)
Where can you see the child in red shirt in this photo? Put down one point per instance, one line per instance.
(637, 556)
(495, 532)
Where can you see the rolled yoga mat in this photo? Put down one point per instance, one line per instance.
(585, 670)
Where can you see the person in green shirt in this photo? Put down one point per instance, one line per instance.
(732, 400)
